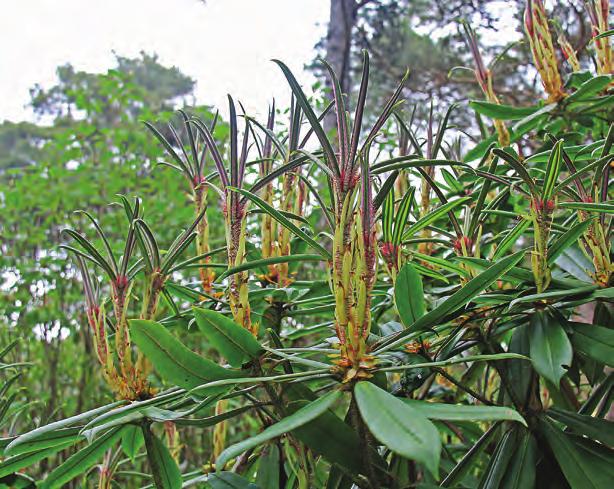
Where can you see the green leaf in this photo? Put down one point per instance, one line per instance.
(166, 474)
(567, 239)
(550, 349)
(552, 170)
(589, 88)
(82, 460)
(284, 221)
(463, 412)
(432, 216)
(518, 166)
(520, 472)
(234, 343)
(47, 431)
(511, 238)
(594, 428)
(457, 300)
(398, 426)
(409, 295)
(173, 361)
(12, 464)
(295, 420)
(564, 294)
(580, 469)
(268, 467)
(500, 460)
(311, 117)
(230, 480)
(250, 265)
(336, 441)
(47, 439)
(588, 206)
(132, 441)
(470, 458)
(500, 111)
(594, 341)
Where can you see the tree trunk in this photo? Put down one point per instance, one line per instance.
(343, 15)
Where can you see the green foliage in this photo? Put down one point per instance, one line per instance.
(437, 335)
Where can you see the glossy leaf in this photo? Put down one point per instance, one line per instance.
(594, 341)
(233, 342)
(462, 412)
(398, 426)
(166, 474)
(295, 420)
(172, 360)
(550, 347)
(81, 461)
(457, 300)
(409, 295)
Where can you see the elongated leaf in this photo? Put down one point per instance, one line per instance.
(588, 206)
(457, 300)
(567, 239)
(173, 361)
(311, 117)
(469, 459)
(295, 420)
(268, 467)
(463, 412)
(411, 162)
(594, 341)
(15, 463)
(500, 111)
(580, 470)
(511, 238)
(589, 88)
(400, 220)
(550, 348)
(594, 428)
(233, 342)
(520, 472)
(432, 216)
(284, 221)
(564, 294)
(409, 295)
(230, 480)
(517, 166)
(81, 461)
(250, 265)
(499, 463)
(48, 430)
(132, 441)
(552, 170)
(48, 439)
(166, 474)
(398, 426)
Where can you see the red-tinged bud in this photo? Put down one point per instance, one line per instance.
(540, 206)
(197, 181)
(463, 240)
(390, 254)
(121, 283)
(588, 199)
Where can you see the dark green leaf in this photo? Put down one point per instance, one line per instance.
(172, 359)
(398, 426)
(295, 420)
(234, 343)
(409, 295)
(550, 348)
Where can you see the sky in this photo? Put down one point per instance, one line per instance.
(225, 45)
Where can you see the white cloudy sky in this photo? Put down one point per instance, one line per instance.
(225, 45)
